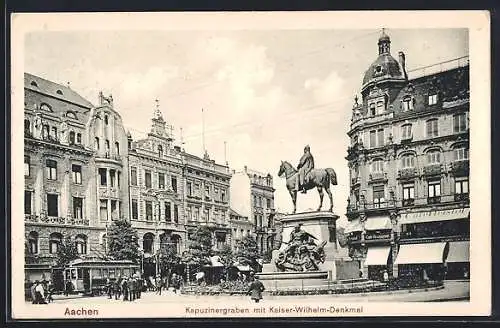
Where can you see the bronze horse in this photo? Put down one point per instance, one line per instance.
(316, 178)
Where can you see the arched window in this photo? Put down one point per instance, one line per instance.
(46, 107)
(33, 242)
(434, 157)
(372, 109)
(406, 132)
(147, 242)
(106, 120)
(81, 244)
(59, 92)
(160, 151)
(176, 242)
(55, 240)
(71, 115)
(408, 161)
(107, 145)
(72, 138)
(377, 166)
(96, 143)
(117, 148)
(34, 84)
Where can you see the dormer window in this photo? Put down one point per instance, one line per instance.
(46, 107)
(380, 108)
(34, 84)
(433, 99)
(71, 115)
(59, 92)
(407, 103)
(372, 110)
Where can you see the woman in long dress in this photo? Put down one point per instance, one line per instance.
(255, 288)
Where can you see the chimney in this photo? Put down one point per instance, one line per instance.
(402, 63)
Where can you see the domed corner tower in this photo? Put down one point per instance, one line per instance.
(383, 79)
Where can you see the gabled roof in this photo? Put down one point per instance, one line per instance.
(38, 84)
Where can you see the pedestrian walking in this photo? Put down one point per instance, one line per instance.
(116, 285)
(68, 287)
(124, 288)
(140, 285)
(109, 288)
(131, 288)
(50, 291)
(39, 293)
(33, 293)
(158, 284)
(255, 288)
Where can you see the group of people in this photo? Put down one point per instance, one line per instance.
(175, 283)
(41, 292)
(126, 288)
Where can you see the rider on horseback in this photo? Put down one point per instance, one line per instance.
(306, 164)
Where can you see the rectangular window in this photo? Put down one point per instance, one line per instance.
(118, 178)
(433, 99)
(52, 205)
(407, 161)
(149, 211)
(112, 177)
(79, 138)
(380, 108)
(407, 104)
(433, 157)
(103, 177)
(196, 214)
(27, 202)
(78, 208)
(268, 203)
(76, 173)
(223, 195)
(378, 196)
(51, 167)
(54, 133)
(408, 194)
(103, 209)
(135, 210)
(432, 128)
(174, 184)
(406, 132)
(377, 166)
(168, 211)
(27, 172)
(188, 214)
(176, 213)
(459, 123)
(461, 154)
(197, 189)
(434, 192)
(161, 181)
(133, 176)
(373, 138)
(189, 187)
(462, 186)
(114, 210)
(147, 178)
(372, 109)
(380, 137)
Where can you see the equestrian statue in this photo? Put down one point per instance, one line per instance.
(307, 177)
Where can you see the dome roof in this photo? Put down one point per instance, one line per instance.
(384, 67)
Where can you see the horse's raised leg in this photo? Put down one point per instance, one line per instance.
(320, 191)
(328, 191)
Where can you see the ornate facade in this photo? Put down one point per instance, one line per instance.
(409, 167)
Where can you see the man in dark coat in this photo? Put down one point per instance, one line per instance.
(306, 164)
(255, 288)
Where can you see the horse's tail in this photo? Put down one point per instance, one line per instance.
(333, 176)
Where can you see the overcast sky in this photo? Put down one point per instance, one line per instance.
(266, 93)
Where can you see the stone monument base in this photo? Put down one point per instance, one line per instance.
(293, 280)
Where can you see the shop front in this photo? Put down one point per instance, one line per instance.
(378, 238)
(457, 262)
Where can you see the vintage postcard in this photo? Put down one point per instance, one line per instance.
(271, 164)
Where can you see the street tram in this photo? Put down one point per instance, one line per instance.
(89, 276)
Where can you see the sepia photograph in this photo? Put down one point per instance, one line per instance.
(250, 164)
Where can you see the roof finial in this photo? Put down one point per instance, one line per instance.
(157, 109)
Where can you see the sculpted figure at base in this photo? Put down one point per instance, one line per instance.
(307, 177)
(302, 252)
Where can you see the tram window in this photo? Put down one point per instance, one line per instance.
(111, 273)
(126, 272)
(67, 274)
(104, 273)
(80, 274)
(97, 273)
(73, 273)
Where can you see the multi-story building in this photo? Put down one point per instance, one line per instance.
(62, 167)
(409, 168)
(206, 196)
(252, 196)
(240, 227)
(156, 188)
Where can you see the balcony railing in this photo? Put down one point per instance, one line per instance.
(461, 197)
(460, 167)
(377, 176)
(434, 200)
(408, 202)
(433, 169)
(407, 173)
(56, 220)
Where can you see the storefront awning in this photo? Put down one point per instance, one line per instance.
(353, 226)
(431, 216)
(377, 255)
(378, 223)
(459, 252)
(421, 253)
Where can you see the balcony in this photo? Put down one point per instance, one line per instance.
(434, 200)
(433, 169)
(460, 168)
(55, 220)
(407, 173)
(462, 197)
(377, 177)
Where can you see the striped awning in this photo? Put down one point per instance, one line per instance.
(377, 255)
(428, 253)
